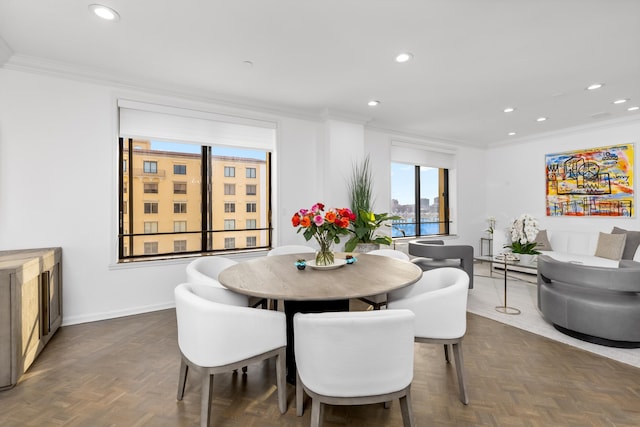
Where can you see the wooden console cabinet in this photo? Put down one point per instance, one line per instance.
(30, 307)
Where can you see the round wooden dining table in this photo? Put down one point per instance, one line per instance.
(276, 277)
(316, 290)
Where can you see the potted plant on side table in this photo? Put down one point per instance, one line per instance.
(364, 238)
(523, 234)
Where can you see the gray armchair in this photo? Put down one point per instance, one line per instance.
(430, 254)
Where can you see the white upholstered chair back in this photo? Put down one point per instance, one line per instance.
(392, 253)
(291, 249)
(340, 360)
(205, 270)
(215, 337)
(439, 301)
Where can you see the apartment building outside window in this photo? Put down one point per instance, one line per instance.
(150, 227)
(251, 241)
(180, 207)
(192, 183)
(179, 245)
(251, 207)
(150, 167)
(150, 248)
(151, 207)
(179, 188)
(151, 187)
(251, 224)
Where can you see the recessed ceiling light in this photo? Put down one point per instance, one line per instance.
(509, 110)
(104, 12)
(404, 57)
(595, 86)
(633, 108)
(541, 119)
(511, 133)
(620, 101)
(373, 103)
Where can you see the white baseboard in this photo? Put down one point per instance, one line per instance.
(95, 317)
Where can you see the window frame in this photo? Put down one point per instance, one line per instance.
(125, 252)
(444, 211)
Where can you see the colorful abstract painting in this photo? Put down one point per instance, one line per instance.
(592, 182)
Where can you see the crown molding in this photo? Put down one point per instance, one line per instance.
(36, 65)
(5, 52)
(570, 130)
(421, 137)
(344, 116)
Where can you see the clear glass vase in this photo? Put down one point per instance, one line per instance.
(325, 255)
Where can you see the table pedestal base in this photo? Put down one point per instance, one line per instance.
(507, 310)
(293, 307)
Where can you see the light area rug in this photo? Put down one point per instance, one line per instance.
(488, 292)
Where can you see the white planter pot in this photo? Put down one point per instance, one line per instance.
(527, 259)
(363, 248)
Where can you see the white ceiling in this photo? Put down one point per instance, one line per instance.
(472, 59)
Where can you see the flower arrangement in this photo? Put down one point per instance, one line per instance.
(492, 225)
(523, 233)
(325, 227)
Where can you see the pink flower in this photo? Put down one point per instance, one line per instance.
(303, 212)
(318, 220)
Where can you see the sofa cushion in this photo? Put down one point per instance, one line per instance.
(542, 241)
(590, 260)
(631, 244)
(573, 242)
(610, 245)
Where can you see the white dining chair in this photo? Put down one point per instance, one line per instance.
(291, 249)
(216, 337)
(206, 269)
(439, 301)
(340, 360)
(377, 301)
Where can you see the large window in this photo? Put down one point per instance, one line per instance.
(196, 160)
(420, 195)
(204, 220)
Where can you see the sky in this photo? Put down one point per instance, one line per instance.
(402, 183)
(179, 147)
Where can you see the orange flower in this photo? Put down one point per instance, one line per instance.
(330, 217)
(343, 222)
(305, 221)
(296, 219)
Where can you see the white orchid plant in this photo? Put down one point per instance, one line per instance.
(524, 230)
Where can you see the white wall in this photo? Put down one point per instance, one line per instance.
(516, 176)
(58, 185)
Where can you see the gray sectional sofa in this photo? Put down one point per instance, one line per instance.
(593, 303)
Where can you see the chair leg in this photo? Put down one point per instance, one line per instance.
(457, 354)
(299, 396)
(182, 378)
(446, 353)
(206, 399)
(316, 413)
(281, 381)
(407, 412)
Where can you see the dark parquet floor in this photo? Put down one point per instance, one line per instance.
(123, 372)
